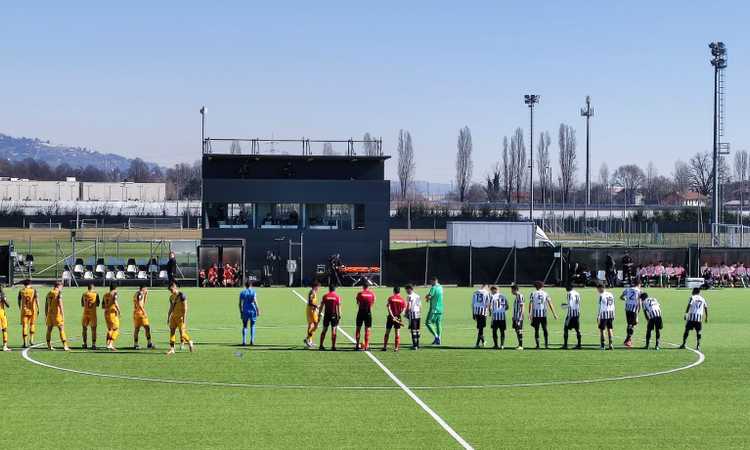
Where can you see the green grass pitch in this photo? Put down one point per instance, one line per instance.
(280, 395)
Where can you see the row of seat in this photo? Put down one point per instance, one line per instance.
(115, 268)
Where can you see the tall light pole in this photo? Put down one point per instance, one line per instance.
(588, 113)
(531, 100)
(719, 61)
(203, 111)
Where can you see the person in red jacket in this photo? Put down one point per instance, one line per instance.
(331, 304)
(396, 306)
(365, 300)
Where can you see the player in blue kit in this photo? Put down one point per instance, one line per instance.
(249, 312)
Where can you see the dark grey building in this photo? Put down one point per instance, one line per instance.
(331, 203)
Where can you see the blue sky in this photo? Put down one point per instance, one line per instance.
(130, 78)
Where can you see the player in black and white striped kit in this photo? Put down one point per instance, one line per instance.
(413, 314)
(606, 315)
(538, 304)
(479, 305)
(652, 311)
(498, 306)
(632, 299)
(695, 314)
(572, 320)
(518, 311)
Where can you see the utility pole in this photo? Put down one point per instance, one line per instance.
(203, 129)
(531, 100)
(719, 62)
(588, 113)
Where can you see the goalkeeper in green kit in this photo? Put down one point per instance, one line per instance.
(435, 315)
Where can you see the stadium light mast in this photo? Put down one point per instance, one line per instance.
(588, 113)
(203, 111)
(719, 62)
(531, 100)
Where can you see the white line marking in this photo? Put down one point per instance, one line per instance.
(461, 441)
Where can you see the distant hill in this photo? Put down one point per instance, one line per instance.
(17, 149)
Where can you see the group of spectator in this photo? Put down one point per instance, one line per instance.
(660, 275)
(228, 275)
(725, 275)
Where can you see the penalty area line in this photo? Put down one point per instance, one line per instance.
(457, 437)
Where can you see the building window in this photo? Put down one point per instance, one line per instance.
(359, 217)
(278, 215)
(230, 215)
(322, 216)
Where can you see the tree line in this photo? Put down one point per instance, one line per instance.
(183, 181)
(508, 179)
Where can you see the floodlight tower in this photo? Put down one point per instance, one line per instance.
(531, 100)
(588, 113)
(719, 62)
(203, 129)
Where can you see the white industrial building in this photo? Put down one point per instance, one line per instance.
(24, 190)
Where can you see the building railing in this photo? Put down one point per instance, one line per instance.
(305, 147)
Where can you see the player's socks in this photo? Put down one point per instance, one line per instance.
(502, 339)
(368, 333)
(565, 338)
(356, 338)
(578, 338)
(244, 335)
(398, 342)
(252, 334)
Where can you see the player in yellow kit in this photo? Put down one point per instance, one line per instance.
(177, 318)
(89, 302)
(55, 315)
(111, 316)
(312, 313)
(28, 304)
(4, 319)
(140, 318)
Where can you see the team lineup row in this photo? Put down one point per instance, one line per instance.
(487, 303)
(54, 312)
(490, 304)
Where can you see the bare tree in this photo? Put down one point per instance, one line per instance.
(630, 177)
(741, 165)
(464, 164)
(568, 164)
(507, 171)
(543, 160)
(328, 149)
(493, 187)
(370, 146)
(518, 160)
(701, 176)
(406, 164)
(604, 181)
(235, 148)
(681, 176)
(651, 181)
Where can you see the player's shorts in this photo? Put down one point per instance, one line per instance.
(3, 320)
(605, 324)
(517, 325)
(390, 323)
(177, 322)
(249, 316)
(55, 321)
(655, 323)
(414, 324)
(572, 322)
(140, 320)
(88, 319)
(113, 322)
(632, 318)
(481, 320)
(498, 324)
(312, 315)
(364, 317)
(537, 321)
(331, 320)
(693, 325)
